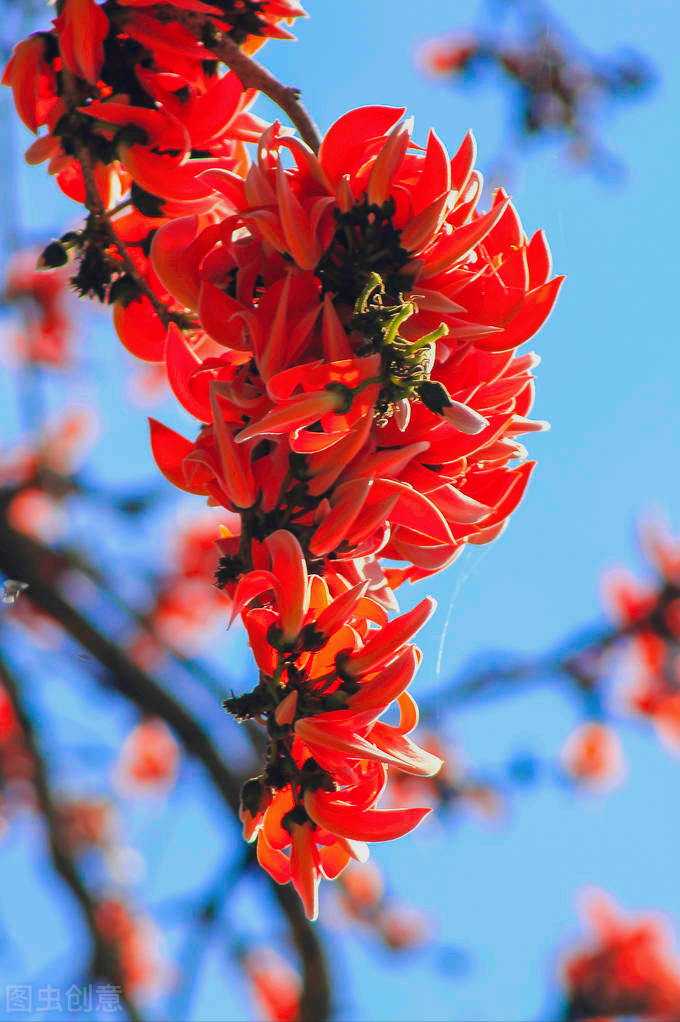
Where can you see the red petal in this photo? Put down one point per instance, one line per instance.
(140, 329)
(367, 122)
(181, 365)
(531, 316)
(169, 450)
(412, 758)
(357, 825)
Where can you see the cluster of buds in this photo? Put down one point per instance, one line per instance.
(629, 967)
(343, 324)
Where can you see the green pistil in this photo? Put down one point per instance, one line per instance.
(404, 365)
(365, 243)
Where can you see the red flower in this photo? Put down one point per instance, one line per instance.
(149, 759)
(82, 28)
(593, 757)
(276, 987)
(369, 204)
(32, 80)
(137, 944)
(649, 613)
(628, 968)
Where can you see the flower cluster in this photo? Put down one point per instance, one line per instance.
(343, 324)
(364, 407)
(135, 109)
(629, 968)
(649, 615)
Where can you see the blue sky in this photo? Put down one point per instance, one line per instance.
(608, 384)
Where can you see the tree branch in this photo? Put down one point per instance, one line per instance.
(570, 661)
(105, 962)
(253, 75)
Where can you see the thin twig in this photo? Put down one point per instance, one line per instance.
(105, 962)
(568, 661)
(98, 210)
(254, 76)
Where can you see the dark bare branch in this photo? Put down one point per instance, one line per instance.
(105, 964)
